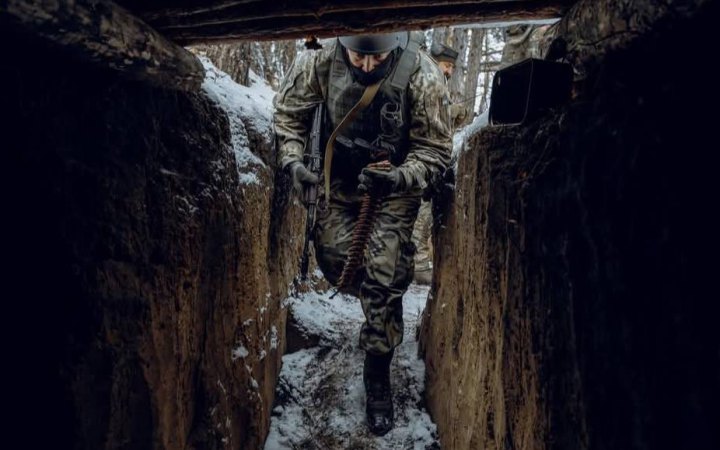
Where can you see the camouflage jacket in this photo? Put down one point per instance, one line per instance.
(430, 141)
(458, 114)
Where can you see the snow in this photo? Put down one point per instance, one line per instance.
(273, 337)
(321, 316)
(506, 24)
(246, 107)
(239, 352)
(460, 138)
(320, 398)
(248, 178)
(185, 206)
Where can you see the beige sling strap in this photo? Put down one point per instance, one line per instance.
(364, 101)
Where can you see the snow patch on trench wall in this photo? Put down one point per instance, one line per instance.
(246, 107)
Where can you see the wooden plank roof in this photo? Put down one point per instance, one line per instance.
(196, 21)
(140, 38)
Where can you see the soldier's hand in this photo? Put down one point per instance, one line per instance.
(382, 181)
(301, 176)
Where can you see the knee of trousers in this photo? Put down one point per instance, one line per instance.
(390, 270)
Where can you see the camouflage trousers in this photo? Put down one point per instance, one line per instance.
(388, 262)
(421, 237)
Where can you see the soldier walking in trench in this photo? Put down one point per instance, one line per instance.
(386, 101)
(445, 58)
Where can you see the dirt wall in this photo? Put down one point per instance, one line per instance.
(573, 301)
(146, 277)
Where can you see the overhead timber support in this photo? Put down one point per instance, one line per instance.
(103, 33)
(195, 21)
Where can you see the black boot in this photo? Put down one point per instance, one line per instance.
(378, 394)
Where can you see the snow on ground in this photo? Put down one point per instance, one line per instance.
(246, 107)
(320, 398)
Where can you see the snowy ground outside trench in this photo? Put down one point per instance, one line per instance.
(320, 398)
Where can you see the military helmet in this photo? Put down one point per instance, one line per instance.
(443, 53)
(372, 44)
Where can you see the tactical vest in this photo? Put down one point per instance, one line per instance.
(384, 123)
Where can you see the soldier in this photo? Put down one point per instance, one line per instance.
(445, 57)
(406, 119)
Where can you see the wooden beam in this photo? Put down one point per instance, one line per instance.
(105, 34)
(225, 20)
(248, 9)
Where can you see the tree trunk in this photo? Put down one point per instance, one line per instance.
(474, 65)
(484, 100)
(459, 43)
(233, 59)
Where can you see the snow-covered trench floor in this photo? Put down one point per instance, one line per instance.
(320, 398)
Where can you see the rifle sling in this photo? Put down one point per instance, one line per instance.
(364, 101)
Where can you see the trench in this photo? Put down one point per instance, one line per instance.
(148, 262)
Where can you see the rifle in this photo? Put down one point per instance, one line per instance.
(312, 162)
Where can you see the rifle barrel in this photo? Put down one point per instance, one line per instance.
(310, 194)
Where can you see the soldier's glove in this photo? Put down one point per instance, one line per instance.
(381, 181)
(301, 176)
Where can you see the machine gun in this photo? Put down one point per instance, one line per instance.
(310, 194)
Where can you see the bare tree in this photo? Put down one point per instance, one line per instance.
(475, 61)
(233, 59)
(440, 35)
(491, 59)
(269, 60)
(458, 41)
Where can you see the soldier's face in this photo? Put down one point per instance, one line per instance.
(366, 63)
(447, 68)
